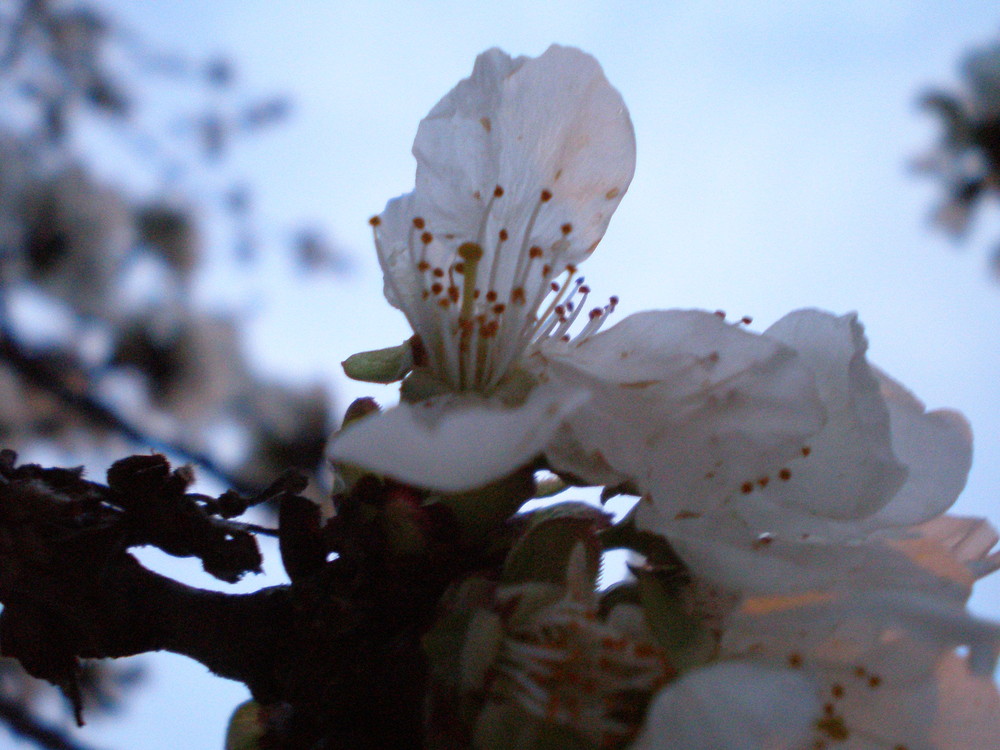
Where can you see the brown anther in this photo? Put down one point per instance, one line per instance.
(497, 191)
(874, 681)
(498, 309)
(436, 288)
(375, 221)
(566, 228)
(470, 252)
(806, 450)
(554, 286)
(746, 320)
(746, 488)
(503, 235)
(795, 660)
(438, 272)
(426, 238)
(837, 691)
(459, 267)
(584, 289)
(535, 252)
(453, 293)
(784, 475)
(491, 295)
(614, 300)
(720, 314)
(763, 481)
(546, 196)
(546, 270)
(423, 266)
(833, 726)
(475, 294)
(517, 295)
(418, 222)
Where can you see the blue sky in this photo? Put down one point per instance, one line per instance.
(773, 148)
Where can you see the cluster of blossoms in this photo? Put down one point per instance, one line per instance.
(801, 585)
(967, 159)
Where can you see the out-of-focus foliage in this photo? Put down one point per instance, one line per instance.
(967, 158)
(108, 177)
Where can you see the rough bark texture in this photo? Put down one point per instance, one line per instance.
(336, 655)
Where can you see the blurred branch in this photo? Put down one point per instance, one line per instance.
(20, 721)
(35, 370)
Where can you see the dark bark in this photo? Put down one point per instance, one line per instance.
(337, 652)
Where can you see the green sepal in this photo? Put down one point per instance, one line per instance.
(675, 627)
(542, 552)
(481, 513)
(387, 365)
(420, 385)
(505, 726)
(246, 728)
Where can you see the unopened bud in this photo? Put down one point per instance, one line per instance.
(359, 408)
(380, 365)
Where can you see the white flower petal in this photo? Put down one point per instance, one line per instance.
(519, 170)
(686, 405)
(455, 443)
(850, 471)
(731, 706)
(969, 540)
(887, 673)
(722, 551)
(553, 122)
(936, 448)
(968, 708)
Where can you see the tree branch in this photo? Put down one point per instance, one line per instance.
(20, 721)
(340, 647)
(36, 371)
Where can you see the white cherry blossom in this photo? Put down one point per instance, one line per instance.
(519, 169)
(864, 658)
(880, 460)
(793, 479)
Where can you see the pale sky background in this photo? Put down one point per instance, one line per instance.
(773, 144)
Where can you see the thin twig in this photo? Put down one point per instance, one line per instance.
(35, 371)
(20, 721)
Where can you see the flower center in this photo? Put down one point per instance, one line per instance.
(569, 668)
(482, 300)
